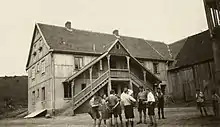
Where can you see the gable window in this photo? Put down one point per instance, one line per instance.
(43, 67)
(67, 90)
(156, 68)
(101, 66)
(78, 61)
(43, 93)
(83, 86)
(33, 73)
(117, 46)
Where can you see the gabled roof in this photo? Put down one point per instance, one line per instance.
(60, 39)
(197, 48)
(149, 74)
(176, 47)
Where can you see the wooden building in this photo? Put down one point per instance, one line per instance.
(67, 66)
(193, 67)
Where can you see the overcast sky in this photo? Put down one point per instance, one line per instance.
(163, 20)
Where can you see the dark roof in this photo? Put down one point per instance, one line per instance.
(197, 48)
(176, 47)
(162, 48)
(85, 41)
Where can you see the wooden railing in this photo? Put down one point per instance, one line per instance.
(90, 87)
(119, 73)
(139, 81)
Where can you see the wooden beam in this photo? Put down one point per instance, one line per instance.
(73, 99)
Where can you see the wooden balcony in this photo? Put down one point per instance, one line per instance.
(119, 73)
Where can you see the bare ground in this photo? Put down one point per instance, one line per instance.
(175, 117)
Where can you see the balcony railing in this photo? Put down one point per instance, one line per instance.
(119, 73)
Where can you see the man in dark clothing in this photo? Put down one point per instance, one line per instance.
(113, 102)
(160, 104)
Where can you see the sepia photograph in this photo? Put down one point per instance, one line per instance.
(110, 63)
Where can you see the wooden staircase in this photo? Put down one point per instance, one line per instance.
(138, 82)
(90, 90)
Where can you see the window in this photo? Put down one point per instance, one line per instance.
(67, 90)
(38, 67)
(38, 93)
(43, 94)
(78, 62)
(101, 68)
(33, 72)
(43, 67)
(156, 68)
(33, 97)
(83, 86)
(117, 46)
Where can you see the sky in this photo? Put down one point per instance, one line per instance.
(161, 20)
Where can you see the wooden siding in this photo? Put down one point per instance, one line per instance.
(64, 67)
(184, 82)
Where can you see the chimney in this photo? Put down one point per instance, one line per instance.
(116, 33)
(68, 25)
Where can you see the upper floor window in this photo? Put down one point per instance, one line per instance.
(78, 61)
(43, 66)
(38, 93)
(38, 67)
(33, 73)
(156, 68)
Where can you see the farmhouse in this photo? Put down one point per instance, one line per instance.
(66, 66)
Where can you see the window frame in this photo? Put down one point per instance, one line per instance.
(156, 68)
(43, 67)
(43, 95)
(67, 88)
(79, 66)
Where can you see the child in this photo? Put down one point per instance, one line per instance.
(104, 110)
(95, 103)
(215, 99)
(200, 99)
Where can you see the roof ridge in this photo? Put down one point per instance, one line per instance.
(154, 49)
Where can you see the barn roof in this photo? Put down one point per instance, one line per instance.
(196, 49)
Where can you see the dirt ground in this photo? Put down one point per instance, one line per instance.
(175, 117)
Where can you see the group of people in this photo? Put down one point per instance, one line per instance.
(105, 108)
(200, 99)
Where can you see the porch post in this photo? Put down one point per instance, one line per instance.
(144, 72)
(128, 62)
(119, 89)
(109, 81)
(90, 74)
(73, 99)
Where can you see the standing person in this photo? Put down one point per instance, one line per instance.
(127, 101)
(215, 99)
(200, 99)
(151, 106)
(141, 98)
(160, 105)
(119, 110)
(104, 110)
(113, 102)
(95, 103)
